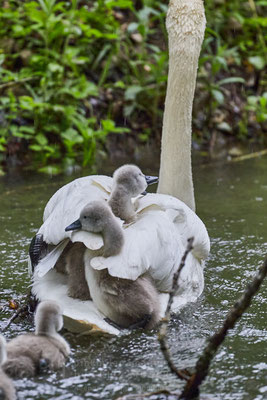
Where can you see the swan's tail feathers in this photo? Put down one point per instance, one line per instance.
(49, 261)
(37, 250)
(20, 367)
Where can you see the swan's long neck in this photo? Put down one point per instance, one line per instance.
(185, 25)
(121, 204)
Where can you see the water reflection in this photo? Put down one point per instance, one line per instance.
(232, 202)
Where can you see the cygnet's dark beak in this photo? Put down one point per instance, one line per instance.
(144, 193)
(74, 226)
(151, 179)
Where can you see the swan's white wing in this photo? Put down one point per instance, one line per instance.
(65, 206)
(187, 223)
(49, 261)
(151, 244)
(89, 188)
(92, 241)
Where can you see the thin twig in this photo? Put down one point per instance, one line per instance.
(162, 334)
(191, 389)
(19, 311)
(249, 156)
(18, 82)
(28, 307)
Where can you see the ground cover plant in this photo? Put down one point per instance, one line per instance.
(73, 72)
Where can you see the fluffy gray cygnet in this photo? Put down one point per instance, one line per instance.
(29, 354)
(127, 303)
(128, 182)
(7, 390)
(71, 263)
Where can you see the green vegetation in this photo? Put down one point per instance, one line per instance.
(71, 72)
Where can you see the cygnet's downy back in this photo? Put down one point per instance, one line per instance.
(30, 354)
(128, 182)
(7, 390)
(124, 302)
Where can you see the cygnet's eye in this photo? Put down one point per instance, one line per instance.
(84, 216)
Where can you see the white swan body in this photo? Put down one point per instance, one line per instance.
(154, 243)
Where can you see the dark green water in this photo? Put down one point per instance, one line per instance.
(231, 200)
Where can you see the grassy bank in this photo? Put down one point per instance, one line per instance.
(72, 72)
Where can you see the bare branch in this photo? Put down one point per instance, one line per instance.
(7, 85)
(191, 389)
(162, 334)
(15, 315)
(27, 308)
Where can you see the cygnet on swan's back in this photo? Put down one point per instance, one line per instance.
(29, 354)
(128, 182)
(125, 302)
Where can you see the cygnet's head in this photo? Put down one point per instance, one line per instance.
(93, 218)
(48, 317)
(131, 180)
(2, 350)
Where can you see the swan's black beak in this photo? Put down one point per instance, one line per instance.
(144, 193)
(74, 226)
(151, 179)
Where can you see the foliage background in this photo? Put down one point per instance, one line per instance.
(73, 72)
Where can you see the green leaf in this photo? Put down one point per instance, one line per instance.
(53, 67)
(132, 92)
(26, 102)
(51, 170)
(233, 79)
(218, 96)
(35, 147)
(252, 100)
(119, 3)
(109, 126)
(257, 61)
(72, 136)
(119, 84)
(41, 139)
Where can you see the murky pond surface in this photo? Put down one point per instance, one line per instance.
(231, 200)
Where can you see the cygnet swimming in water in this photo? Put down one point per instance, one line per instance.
(128, 182)
(28, 354)
(126, 303)
(7, 389)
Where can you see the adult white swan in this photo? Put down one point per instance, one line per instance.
(185, 25)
